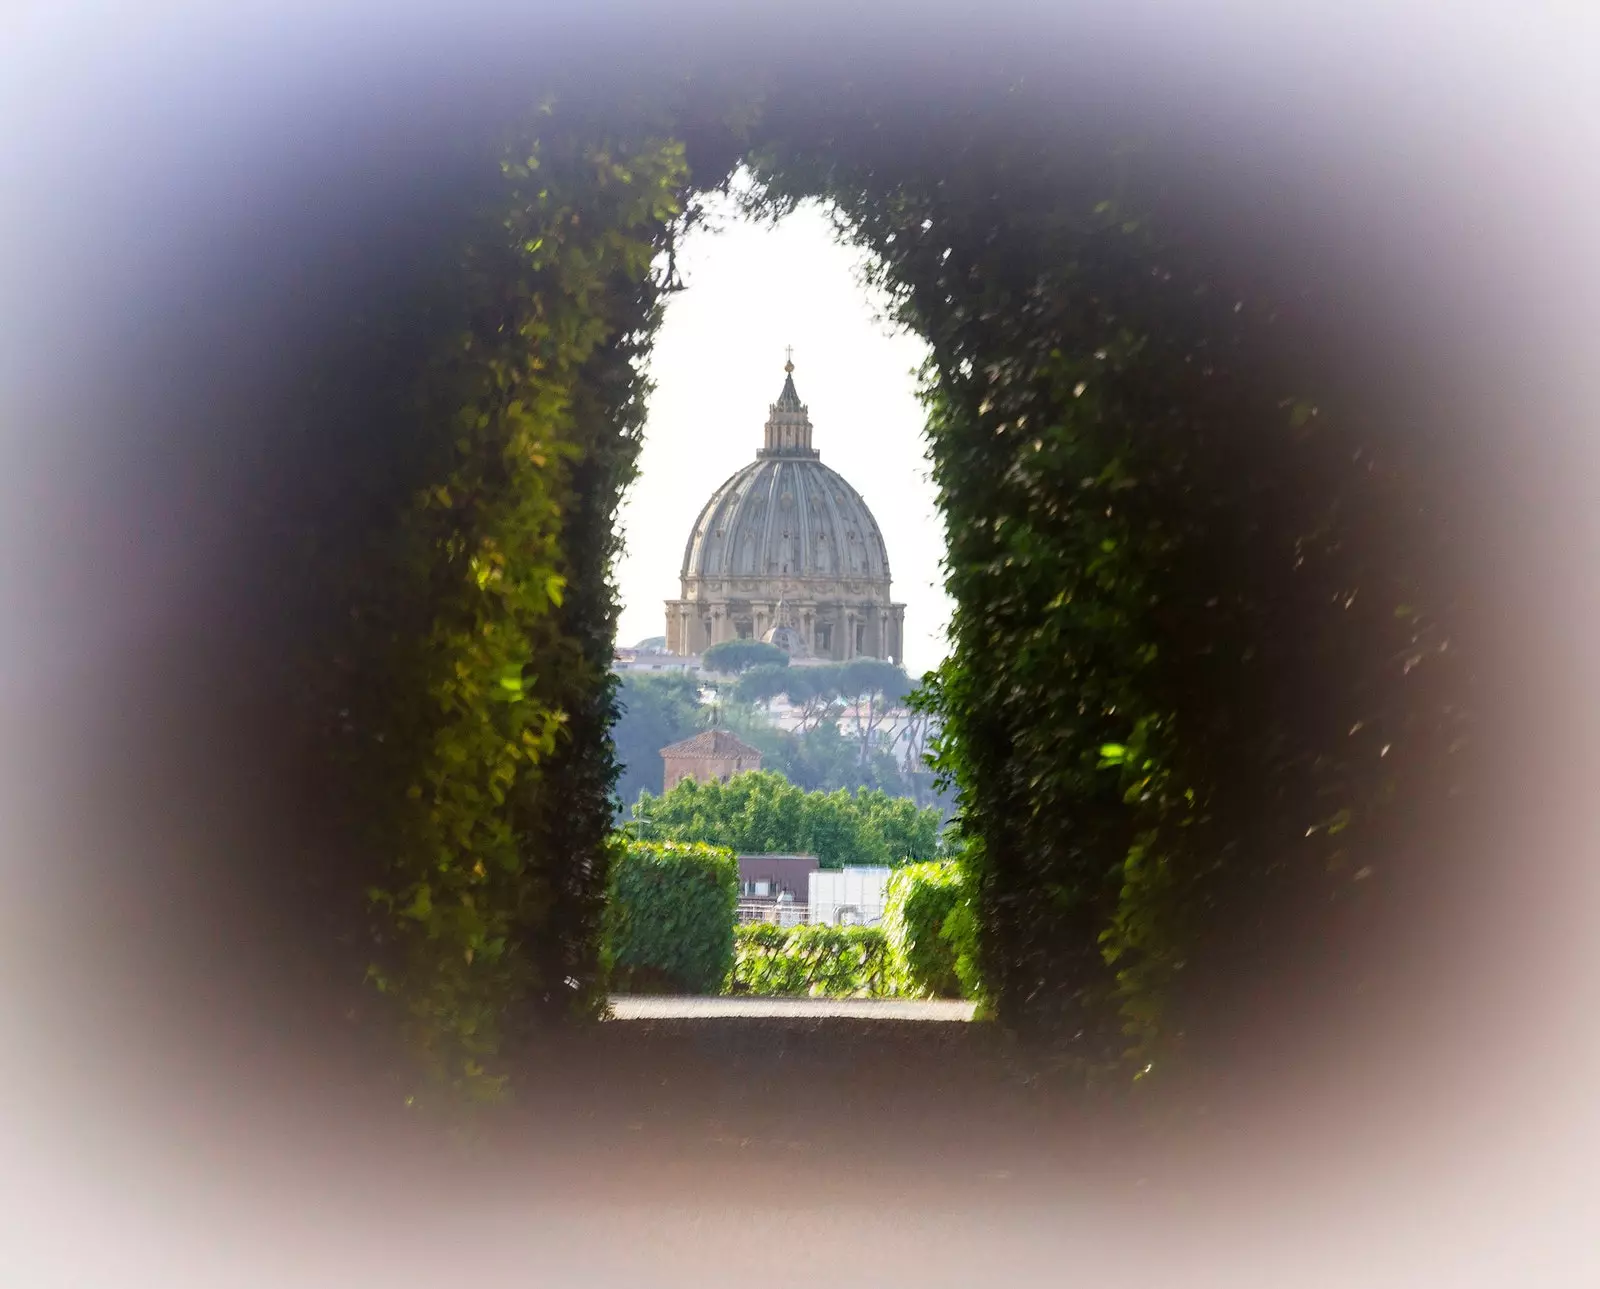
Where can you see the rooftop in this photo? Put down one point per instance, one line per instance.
(711, 745)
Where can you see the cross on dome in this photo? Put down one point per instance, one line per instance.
(789, 428)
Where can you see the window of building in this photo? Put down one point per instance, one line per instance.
(861, 637)
(825, 639)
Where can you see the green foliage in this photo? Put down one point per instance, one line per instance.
(652, 712)
(764, 682)
(761, 811)
(732, 657)
(824, 758)
(655, 710)
(959, 933)
(464, 681)
(873, 678)
(669, 916)
(1182, 701)
(918, 904)
(813, 961)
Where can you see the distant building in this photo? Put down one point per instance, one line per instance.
(787, 551)
(773, 888)
(633, 660)
(795, 889)
(849, 896)
(711, 756)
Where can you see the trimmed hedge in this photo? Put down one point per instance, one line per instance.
(813, 961)
(960, 937)
(669, 920)
(473, 423)
(918, 901)
(1167, 460)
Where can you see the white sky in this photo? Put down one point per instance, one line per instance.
(718, 363)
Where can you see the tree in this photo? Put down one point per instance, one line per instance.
(815, 692)
(763, 811)
(653, 710)
(817, 755)
(764, 682)
(875, 688)
(733, 657)
(914, 767)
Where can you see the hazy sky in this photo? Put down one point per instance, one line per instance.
(718, 363)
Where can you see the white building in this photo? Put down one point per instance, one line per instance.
(847, 896)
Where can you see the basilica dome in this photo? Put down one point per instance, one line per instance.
(786, 515)
(787, 528)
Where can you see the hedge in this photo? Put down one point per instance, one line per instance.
(918, 900)
(669, 919)
(813, 961)
(1167, 464)
(469, 424)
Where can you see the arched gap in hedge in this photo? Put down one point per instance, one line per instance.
(1208, 685)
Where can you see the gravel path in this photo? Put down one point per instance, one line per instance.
(627, 1007)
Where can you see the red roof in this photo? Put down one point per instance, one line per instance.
(711, 745)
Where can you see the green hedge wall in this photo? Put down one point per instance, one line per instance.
(669, 919)
(1209, 667)
(479, 425)
(917, 903)
(813, 961)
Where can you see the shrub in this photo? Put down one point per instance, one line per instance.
(813, 961)
(669, 919)
(761, 811)
(959, 934)
(918, 901)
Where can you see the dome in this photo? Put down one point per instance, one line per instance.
(786, 515)
(786, 551)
